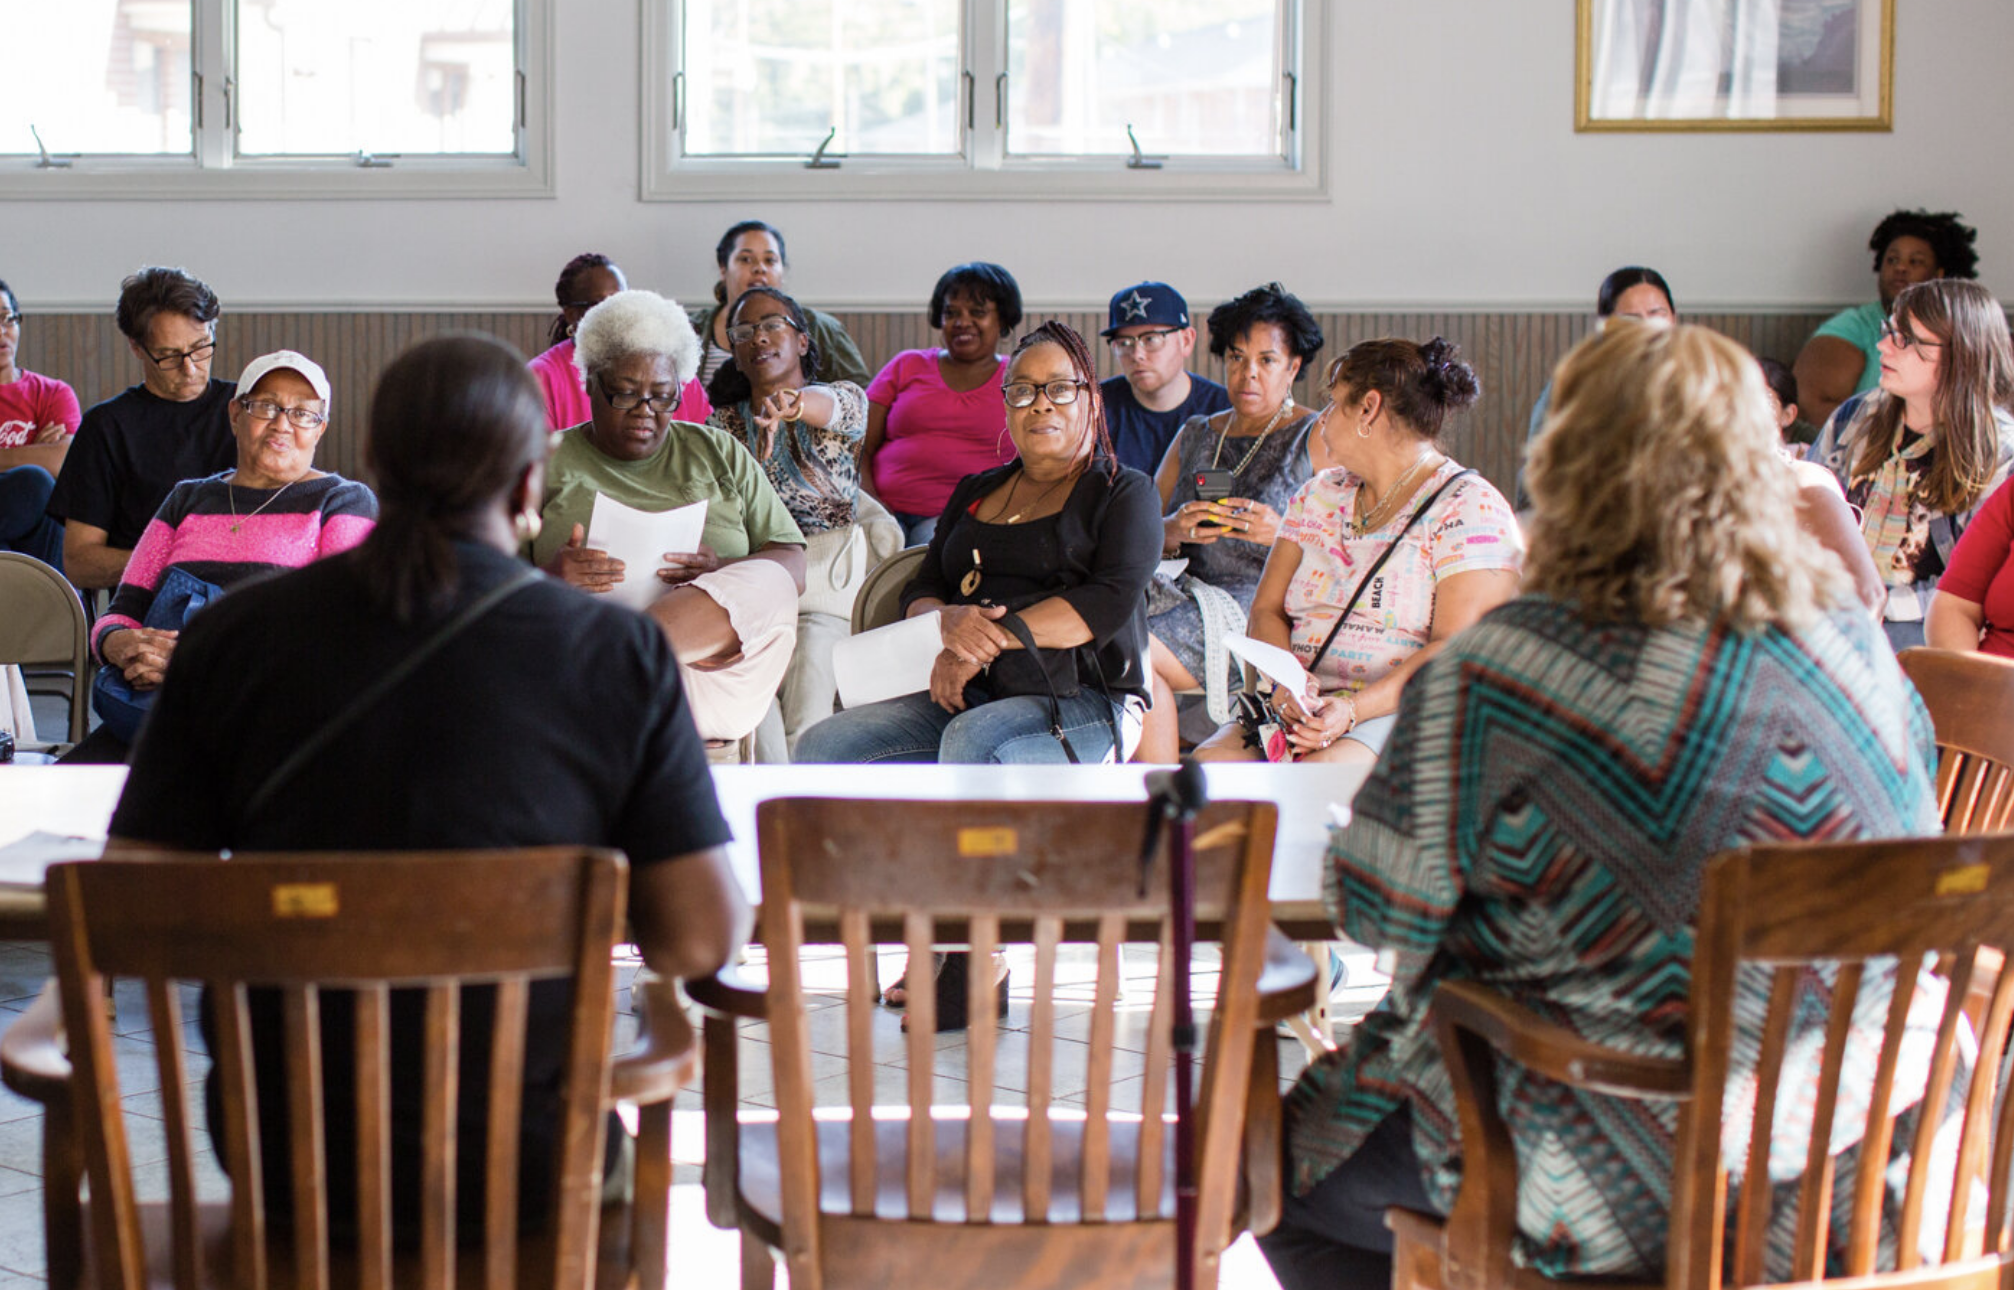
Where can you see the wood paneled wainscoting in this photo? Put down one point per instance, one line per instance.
(1514, 353)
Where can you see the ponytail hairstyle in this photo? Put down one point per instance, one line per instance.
(728, 386)
(1975, 375)
(563, 290)
(1062, 334)
(455, 421)
(1420, 384)
(724, 250)
(1636, 275)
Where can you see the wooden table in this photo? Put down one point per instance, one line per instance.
(80, 799)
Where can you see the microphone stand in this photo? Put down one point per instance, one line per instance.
(1177, 797)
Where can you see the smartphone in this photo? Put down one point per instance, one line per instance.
(1214, 483)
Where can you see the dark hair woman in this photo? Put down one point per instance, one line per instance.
(934, 415)
(586, 281)
(752, 254)
(503, 678)
(38, 415)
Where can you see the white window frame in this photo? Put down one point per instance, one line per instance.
(982, 170)
(214, 170)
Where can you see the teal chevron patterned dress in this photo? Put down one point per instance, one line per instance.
(1540, 821)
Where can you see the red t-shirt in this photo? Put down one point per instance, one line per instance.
(1981, 572)
(32, 402)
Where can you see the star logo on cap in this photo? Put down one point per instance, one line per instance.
(1136, 305)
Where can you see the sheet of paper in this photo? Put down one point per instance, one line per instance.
(887, 662)
(1275, 664)
(25, 861)
(640, 540)
(1172, 569)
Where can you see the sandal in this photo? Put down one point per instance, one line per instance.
(953, 998)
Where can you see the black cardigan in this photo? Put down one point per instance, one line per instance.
(1098, 553)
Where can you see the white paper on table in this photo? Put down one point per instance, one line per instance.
(1172, 569)
(1275, 664)
(25, 862)
(888, 662)
(640, 540)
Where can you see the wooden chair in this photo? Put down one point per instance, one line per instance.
(880, 600)
(1780, 908)
(367, 923)
(1971, 702)
(44, 628)
(989, 1192)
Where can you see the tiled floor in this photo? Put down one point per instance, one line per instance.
(703, 1255)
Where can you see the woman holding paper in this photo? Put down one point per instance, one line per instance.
(729, 604)
(1380, 560)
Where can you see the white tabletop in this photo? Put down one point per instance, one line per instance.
(80, 799)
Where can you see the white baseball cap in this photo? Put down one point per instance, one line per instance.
(286, 360)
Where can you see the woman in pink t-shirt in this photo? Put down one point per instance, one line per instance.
(38, 414)
(935, 416)
(585, 282)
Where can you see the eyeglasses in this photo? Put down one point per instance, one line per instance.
(10, 319)
(1061, 393)
(1148, 342)
(265, 410)
(658, 403)
(1905, 341)
(196, 357)
(742, 333)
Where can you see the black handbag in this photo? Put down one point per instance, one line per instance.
(1044, 668)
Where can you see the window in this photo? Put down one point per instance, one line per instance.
(276, 98)
(980, 98)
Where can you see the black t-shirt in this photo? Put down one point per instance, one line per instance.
(1140, 435)
(1098, 553)
(132, 448)
(553, 719)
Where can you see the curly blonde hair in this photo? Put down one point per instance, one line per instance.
(1658, 494)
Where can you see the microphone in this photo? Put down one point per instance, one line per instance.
(1181, 791)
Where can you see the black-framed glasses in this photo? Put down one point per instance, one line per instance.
(1147, 342)
(1904, 340)
(198, 356)
(657, 403)
(742, 333)
(12, 318)
(1021, 394)
(299, 418)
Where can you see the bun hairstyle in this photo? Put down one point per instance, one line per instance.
(455, 421)
(724, 249)
(728, 386)
(1420, 384)
(1635, 275)
(562, 291)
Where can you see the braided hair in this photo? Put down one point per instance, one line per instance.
(1062, 334)
(562, 290)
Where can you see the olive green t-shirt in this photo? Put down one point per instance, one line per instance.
(695, 463)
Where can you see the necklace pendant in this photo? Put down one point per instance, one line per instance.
(969, 583)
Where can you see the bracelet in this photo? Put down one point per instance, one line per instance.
(1353, 715)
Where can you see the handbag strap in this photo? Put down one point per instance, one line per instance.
(384, 685)
(1379, 563)
(1020, 632)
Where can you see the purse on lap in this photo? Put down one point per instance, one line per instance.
(118, 705)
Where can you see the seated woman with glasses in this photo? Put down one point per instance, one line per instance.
(1919, 453)
(273, 510)
(730, 607)
(586, 281)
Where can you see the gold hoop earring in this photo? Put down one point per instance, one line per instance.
(526, 526)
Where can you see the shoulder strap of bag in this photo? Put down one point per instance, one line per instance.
(1020, 632)
(1379, 563)
(384, 685)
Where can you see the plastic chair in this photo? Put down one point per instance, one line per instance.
(44, 627)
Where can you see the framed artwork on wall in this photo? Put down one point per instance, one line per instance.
(1734, 65)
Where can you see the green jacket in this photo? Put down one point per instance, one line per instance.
(838, 357)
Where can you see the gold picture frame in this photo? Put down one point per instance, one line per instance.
(1719, 65)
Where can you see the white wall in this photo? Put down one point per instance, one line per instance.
(1456, 181)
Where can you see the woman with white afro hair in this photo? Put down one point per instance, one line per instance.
(730, 607)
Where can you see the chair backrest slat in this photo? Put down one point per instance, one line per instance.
(921, 1173)
(441, 1060)
(302, 1018)
(1864, 1238)
(500, 1157)
(862, 1158)
(1943, 1063)
(1970, 697)
(981, 1044)
(1754, 1216)
(1814, 1213)
(243, 1156)
(1154, 1078)
(374, 1137)
(1095, 1182)
(164, 1007)
(1037, 1150)
(1979, 1119)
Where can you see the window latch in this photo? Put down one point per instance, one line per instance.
(819, 161)
(372, 161)
(1140, 160)
(49, 162)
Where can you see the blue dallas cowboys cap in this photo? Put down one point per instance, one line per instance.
(1151, 304)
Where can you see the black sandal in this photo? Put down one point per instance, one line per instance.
(953, 998)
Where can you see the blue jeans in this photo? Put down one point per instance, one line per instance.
(917, 530)
(1010, 731)
(24, 526)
